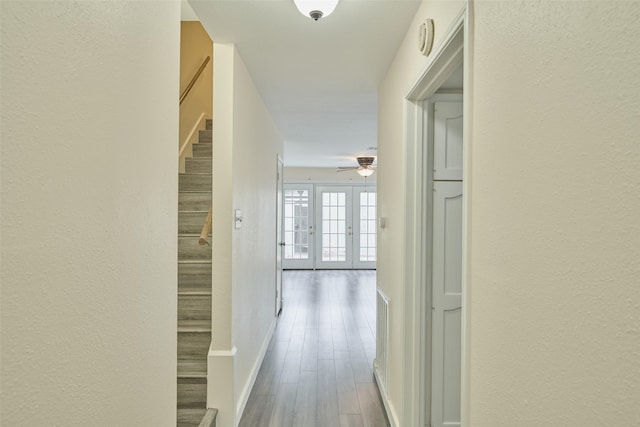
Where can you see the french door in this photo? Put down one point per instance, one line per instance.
(329, 227)
(346, 227)
(298, 226)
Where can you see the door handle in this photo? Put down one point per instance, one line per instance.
(282, 243)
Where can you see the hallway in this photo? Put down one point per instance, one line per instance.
(318, 368)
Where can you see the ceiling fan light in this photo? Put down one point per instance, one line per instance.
(365, 172)
(316, 9)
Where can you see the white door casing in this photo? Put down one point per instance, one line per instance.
(279, 235)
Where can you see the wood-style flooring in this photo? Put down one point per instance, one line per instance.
(318, 370)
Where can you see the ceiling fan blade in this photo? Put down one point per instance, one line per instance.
(346, 168)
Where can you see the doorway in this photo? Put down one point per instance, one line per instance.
(436, 369)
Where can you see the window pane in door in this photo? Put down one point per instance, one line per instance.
(367, 226)
(296, 231)
(333, 226)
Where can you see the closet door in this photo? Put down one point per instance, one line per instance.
(447, 136)
(446, 303)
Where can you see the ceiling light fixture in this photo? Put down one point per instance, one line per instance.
(316, 9)
(365, 171)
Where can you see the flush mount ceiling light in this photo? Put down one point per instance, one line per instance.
(365, 171)
(316, 9)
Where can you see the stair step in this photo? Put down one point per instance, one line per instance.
(202, 150)
(209, 124)
(205, 136)
(188, 369)
(193, 346)
(185, 325)
(194, 182)
(194, 307)
(191, 222)
(198, 165)
(192, 393)
(194, 201)
(192, 275)
(189, 248)
(190, 417)
(194, 291)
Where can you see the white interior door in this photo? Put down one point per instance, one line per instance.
(279, 236)
(364, 227)
(298, 226)
(446, 303)
(447, 129)
(334, 227)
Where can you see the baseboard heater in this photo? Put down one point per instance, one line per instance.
(382, 339)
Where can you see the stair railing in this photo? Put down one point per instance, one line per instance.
(205, 229)
(194, 79)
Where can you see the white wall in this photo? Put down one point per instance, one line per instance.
(89, 213)
(555, 289)
(246, 146)
(554, 235)
(256, 145)
(391, 198)
(299, 174)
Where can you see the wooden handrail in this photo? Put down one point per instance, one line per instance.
(205, 229)
(194, 79)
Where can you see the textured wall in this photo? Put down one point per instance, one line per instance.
(89, 196)
(390, 180)
(555, 308)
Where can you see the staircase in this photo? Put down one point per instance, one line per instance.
(194, 286)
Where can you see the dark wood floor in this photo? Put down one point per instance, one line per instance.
(318, 370)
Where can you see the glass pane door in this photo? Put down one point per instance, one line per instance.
(298, 226)
(335, 227)
(364, 227)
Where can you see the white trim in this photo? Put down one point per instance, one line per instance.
(221, 392)
(450, 54)
(388, 406)
(465, 374)
(246, 390)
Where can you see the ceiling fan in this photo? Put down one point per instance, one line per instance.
(364, 169)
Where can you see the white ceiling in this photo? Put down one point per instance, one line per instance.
(319, 79)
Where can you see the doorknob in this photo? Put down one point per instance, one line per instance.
(282, 243)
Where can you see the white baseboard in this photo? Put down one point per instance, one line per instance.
(388, 407)
(246, 390)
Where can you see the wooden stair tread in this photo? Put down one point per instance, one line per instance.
(191, 369)
(194, 291)
(198, 325)
(194, 261)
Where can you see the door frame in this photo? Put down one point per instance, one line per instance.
(454, 50)
(279, 232)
